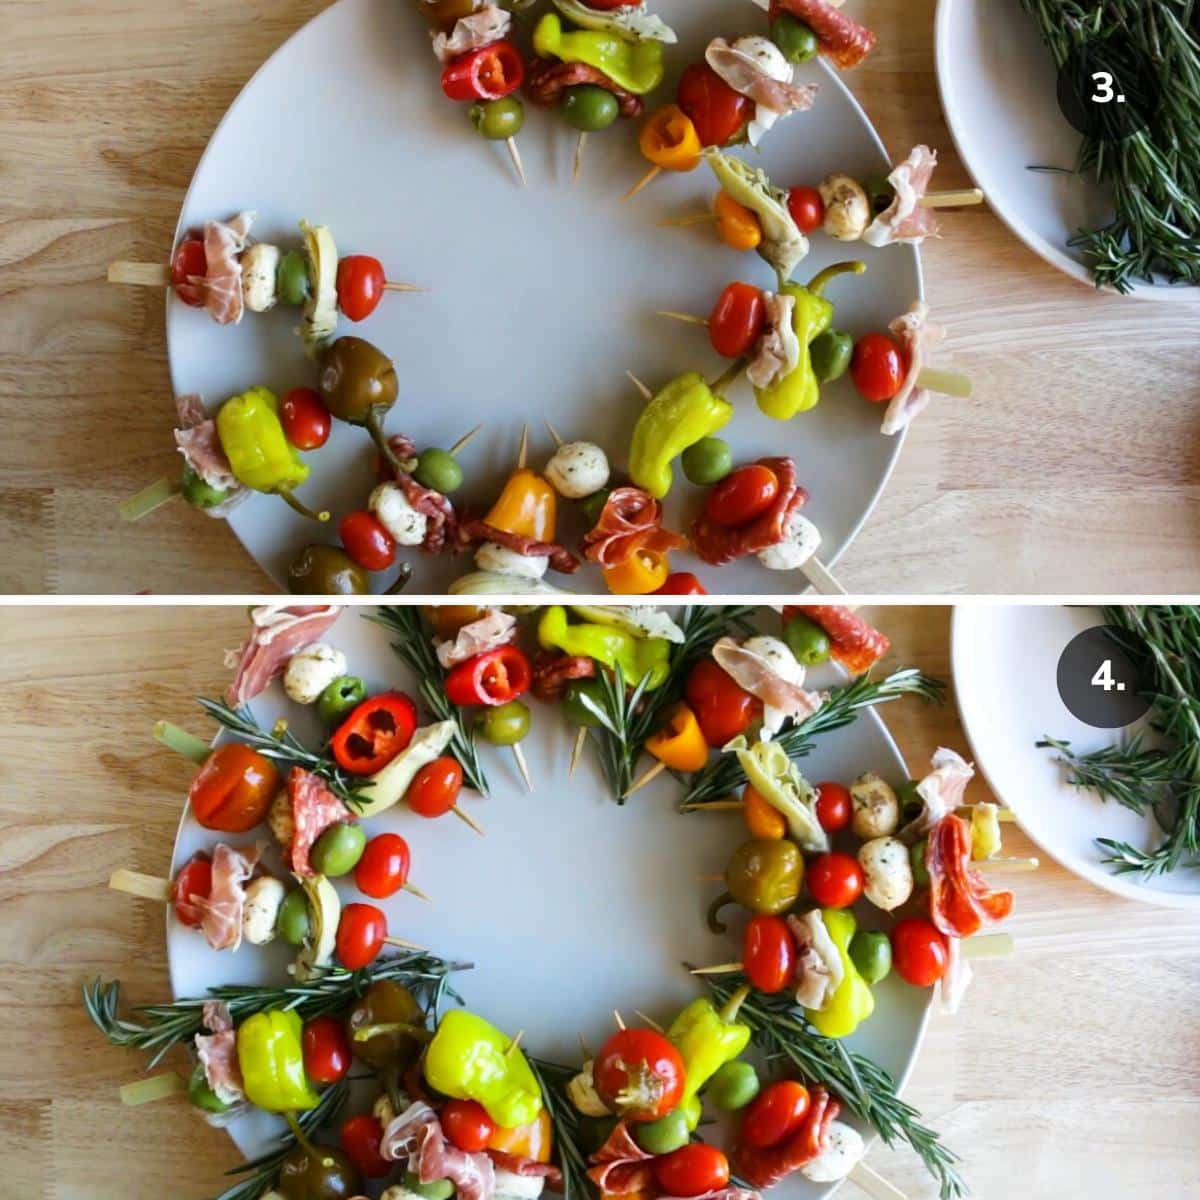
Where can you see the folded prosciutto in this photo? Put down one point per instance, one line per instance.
(416, 1137)
(904, 220)
(819, 970)
(221, 909)
(221, 284)
(918, 336)
(495, 628)
(768, 670)
(196, 439)
(777, 352)
(277, 632)
(481, 28)
(756, 68)
(940, 792)
(217, 1052)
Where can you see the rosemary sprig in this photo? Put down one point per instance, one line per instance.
(284, 747)
(415, 650)
(725, 776)
(160, 1027)
(553, 1079)
(864, 1087)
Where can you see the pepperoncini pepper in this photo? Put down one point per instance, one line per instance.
(470, 1059)
(853, 1001)
(670, 141)
(679, 744)
(638, 67)
(683, 413)
(271, 1058)
(638, 658)
(707, 1038)
(643, 572)
(812, 316)
(763, 876)
(528, 507)
(259, 454)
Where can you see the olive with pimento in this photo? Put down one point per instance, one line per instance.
(359, 385)
(320, 570)
(386, 1027)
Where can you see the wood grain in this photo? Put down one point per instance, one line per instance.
(1073, 1062)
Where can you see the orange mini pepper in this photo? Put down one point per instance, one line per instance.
(670, 141)
(643, 572)
(679, 744)
(534, 1141)
(737, 226)
(763, 821)
(528, 507)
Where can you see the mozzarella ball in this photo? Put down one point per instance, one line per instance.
(801, 538)
(581, 1091)
(390, 505)
(311, 670)
(492, 557)
(842, 1152)
(888, 872)
(264, 895)
(782, 661)
(578, 469)
(518, 1187)
(876, 811)
(767, 56)
(279, 819)
(259, 265)
(847, 207)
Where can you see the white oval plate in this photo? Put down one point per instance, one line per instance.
(570, 906)
(1005, 664)
(997, 81)
(541, 297)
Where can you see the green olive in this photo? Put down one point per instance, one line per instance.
(806, 640)
(200, 1092)
(498, 120)
(337, 851)
(198, 493)
(871, 953)
(592, 506)
(831, 353)
(733, 1086)
(291, 278)
(293, 922)
(384, 1027)
(911, 804)
(340, 698)
(505, 725)
(879, 191)
(664, 1135)
(439, 1189)
(916, 856)
(326, 571)
(590, 108)
(797, 42)
(573, 707)
(438, 470)
(708, 461)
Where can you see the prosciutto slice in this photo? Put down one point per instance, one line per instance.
(726, 1193)
(854, 643)
(717, 544)
(841, 38)
(904, 220)
(756, 68)
(483, 27)
(952, 986)
(621, 1167)
(763, 1168)
(960, 900)
(441, 519)
(941, 792)
(221, 909)
(495, 628)
(222, 280)
(918, 336)
(196, 439)
(314, 809)
(217, 1052)
(631, 520)
(777, 351)
(416, 1135)
(277, 632)
(819, 970)
(760, 676)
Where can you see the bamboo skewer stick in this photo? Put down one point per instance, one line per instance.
(143, 274)
(462, 441)
(1004, 815)
(643, 183)
(515, 155)
(646, 393)
(577, 750)
(650, 1022)
(874, 1184)
(580, 147)
(554, 434)
(523, 449)
(152, 1088)
(1006, 866)
(522, 765)
(467, 820)
(416, 891)
(647, 776)
(403, 944)
(134, 883)
(619, 1020)
(183, 743)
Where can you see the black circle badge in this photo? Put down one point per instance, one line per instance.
(1098, 683)
(1108, 88)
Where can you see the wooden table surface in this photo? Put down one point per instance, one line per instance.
(1075, 469)
(1073, 1063)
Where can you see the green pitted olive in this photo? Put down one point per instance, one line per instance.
(198, 493)
(590, 108)
(439, 1189)
(317, 1173)
(504, 725)
(293, 922)
(880, 192)
(340, 698)
(592, 506)
(795, 39)
(498, 120)
(871, 953)
(200, 1092)
(439, 470)
(573, 707)
(806, 640)
(916, 857)
(326, 571)
(831, 353)
(707, 461)
(665, 1135)
(291, 278)
(386, 1027)
(338, 849)
(733, 1086)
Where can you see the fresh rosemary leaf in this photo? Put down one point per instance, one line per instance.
(553, 1079)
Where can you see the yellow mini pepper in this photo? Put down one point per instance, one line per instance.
(643, 572)
(528, 507)
(638, 67)
(679, 744)
(853, 1002)
(271, 1058)
(670, 141)
(737, 226)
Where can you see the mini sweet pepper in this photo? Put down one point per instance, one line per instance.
(527, 507)
(678, 742)
(642, 573)
(707, 1038)
(670, 141)
(853, 1001)
(637, 67)
(271, 1058)
(638, 658)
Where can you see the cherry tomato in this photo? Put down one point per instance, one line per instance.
(383, 869)
(435, 787)
(742, 495)
(360, 935)
(639, 1074)
(835, 880)
(367, 541)
(467, 1125)
(189, 261)
(306, 420)
(194, 879)
(682, 583)
(834, 806)
(717, 111)
(737, 320)
(360, 1140)
(769, 954)
(326, 1051)
(775, 1113)
(807, 208)
(360, 281)
(919, 951)
(722, 708)
(878, 367)
(233, 789)
(692, 1170)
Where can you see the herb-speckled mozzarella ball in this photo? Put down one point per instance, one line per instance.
(766, 55)
(511, 1186)
(260, 265)
(264, 895)
(801, 538)
(843, 1151)
(581, 1091)
(311, 670)
(782, 660)
(876, 810)
(578, 469)
(390, 505)
(888, 872)
(492, 557)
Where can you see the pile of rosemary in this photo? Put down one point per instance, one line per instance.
(1154, 173)
(1163, 643)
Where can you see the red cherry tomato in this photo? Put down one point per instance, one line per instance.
(360, 935)
(326, 1051)
(367, 541)
(737, 320)
(194, 879)
(435, 787)
(835, 880)
(742, 495)
(919, 951)
(467, 1125)
(189, 261)
(769, 954)
(717, 111)
(383, 868)
(360, 281)
(878, 367)
(807, 208)
(360, 1140)
(775, 1113)
(682, 583)
(723, 708)
(639, 1074)
(692, 1170)
(834, 807)
(306, 420)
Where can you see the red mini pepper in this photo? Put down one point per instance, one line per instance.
(489, 73)
(374, 733)
(493, 678)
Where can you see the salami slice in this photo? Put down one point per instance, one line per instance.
(841, 38)
(855, 643)
(960, 901)
(314, 809)
(546, 80)
(763, 1168)
(718, 545)
(561, 559)
(553, 673)
(442, 521)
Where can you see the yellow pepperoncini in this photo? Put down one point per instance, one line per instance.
(853, 1001)
(271, 1059)
(678, 743)
(737, 226)
(670, 141)
(528, 507)
(643, 572)
(638, 67)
